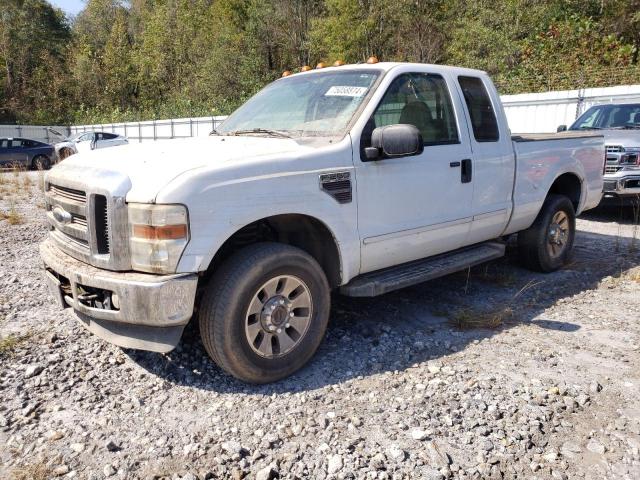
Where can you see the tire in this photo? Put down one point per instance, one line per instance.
(40, 162)
(249, 298)
(65, 153)
(547, 245)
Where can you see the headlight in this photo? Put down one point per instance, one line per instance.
(158, 235)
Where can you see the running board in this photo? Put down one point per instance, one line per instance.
(393, 278)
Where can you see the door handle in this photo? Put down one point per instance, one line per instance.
(454, 164)
(466, 171)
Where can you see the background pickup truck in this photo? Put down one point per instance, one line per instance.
(362, 178)
(620, 125)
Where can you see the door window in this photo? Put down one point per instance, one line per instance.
(483, 118)
(421, 100)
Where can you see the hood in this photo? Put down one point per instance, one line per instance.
(625, 138)
(151, 166)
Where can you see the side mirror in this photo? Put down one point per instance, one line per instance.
(562, 128)
(394, 141)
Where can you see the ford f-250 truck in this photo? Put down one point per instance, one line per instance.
(361, 178)
(620, 125)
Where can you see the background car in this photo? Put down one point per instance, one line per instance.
(85, 141)
(23, 152)
(619, 123)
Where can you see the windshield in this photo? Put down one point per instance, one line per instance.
(314, 104)
(73, 137)
(609, 116)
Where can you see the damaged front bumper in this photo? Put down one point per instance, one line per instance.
(129, 309)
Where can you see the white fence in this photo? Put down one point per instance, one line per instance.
(157, 129)
(34, 132)
(526, 113)
(544, 112)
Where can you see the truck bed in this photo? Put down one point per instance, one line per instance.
(542, 158)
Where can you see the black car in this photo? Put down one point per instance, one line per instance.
(22, 152)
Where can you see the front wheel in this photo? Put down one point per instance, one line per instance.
(546, 246)
(264, 314)
(41, 162)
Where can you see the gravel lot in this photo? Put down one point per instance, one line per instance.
(398, 389)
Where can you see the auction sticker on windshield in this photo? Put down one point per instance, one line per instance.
(345, 91)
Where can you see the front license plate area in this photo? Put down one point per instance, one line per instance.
(55, 289)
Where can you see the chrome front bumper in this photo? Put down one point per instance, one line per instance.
(622, 186)
(152, 309)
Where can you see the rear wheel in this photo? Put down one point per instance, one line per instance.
(40, 162)
(264, 314)
(546, 246)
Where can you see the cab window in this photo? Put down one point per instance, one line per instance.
(483, 118)
(422, 100)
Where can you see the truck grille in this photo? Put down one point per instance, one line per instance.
(82, 223)
(611, 169)
(68, 193)
(615, 149)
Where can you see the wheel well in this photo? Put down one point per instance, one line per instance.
(302, 231)
(570, 186)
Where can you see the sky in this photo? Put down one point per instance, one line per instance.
(71, 7)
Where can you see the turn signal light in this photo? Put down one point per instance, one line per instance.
(372, 60)
(286, 73)
(306, 68)
(164, 232)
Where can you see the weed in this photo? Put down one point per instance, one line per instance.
(34, 471)
(12, 216)
(10, 343)
(493, 317)
(470, 318)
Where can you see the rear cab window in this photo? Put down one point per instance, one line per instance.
(481, 113)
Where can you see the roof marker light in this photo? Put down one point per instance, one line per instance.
(321, 65)
(306, 68)
(338, 63)
(371, 60)
(286, 73)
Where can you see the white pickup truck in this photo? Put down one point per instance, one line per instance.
(359, 178)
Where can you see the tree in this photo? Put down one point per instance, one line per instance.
(33, 41)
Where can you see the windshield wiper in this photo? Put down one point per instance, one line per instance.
(273, 133)
(626, 127)
(590, 128)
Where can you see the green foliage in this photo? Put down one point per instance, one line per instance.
(33, 40)
(139, 59)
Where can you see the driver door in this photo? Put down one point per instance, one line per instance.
(416, 206)
(85, 142)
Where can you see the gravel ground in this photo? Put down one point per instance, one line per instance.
(412, 384)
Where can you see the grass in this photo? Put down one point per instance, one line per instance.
(10, 343)
(468, 318)
(12, 216)
(34, 471)
(492, 317)
(26, 181)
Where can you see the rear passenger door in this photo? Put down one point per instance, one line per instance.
(493, 159)
(416, 206)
